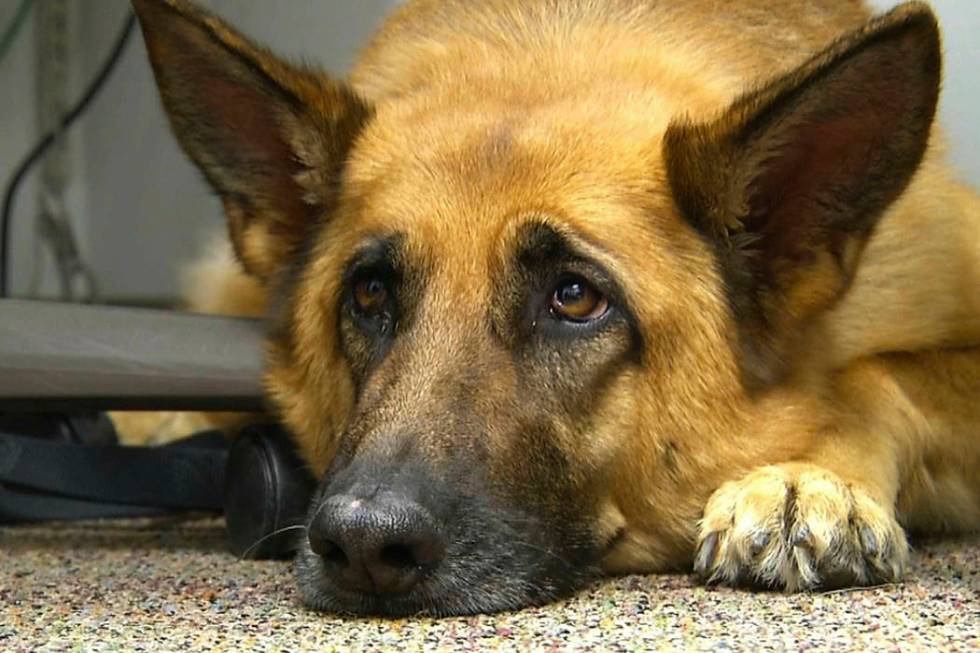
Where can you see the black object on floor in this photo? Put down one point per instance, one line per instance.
(57, 463)
(65, 467)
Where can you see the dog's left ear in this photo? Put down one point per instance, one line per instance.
(789, 183)
(271, 137)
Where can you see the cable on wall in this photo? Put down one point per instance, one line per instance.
(38, 151)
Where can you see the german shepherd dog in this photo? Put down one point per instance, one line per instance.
(567, 287)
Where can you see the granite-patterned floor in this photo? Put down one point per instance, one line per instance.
(169, 585)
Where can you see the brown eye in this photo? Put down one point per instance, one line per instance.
(370, 294)
(577, 300)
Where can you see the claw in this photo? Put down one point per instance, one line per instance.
(801, 536)
(869, 541)
(706, 554)
(759, 542)
(806, 569)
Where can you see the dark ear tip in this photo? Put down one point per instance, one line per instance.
(915, 19)
(160, 4)
(149, 11)
(918, 25)
(145, 7)
(914, 11)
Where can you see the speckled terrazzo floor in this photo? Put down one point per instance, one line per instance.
(170, 585)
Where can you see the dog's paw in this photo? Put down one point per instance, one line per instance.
(798, 527)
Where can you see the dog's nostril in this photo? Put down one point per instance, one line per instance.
(401, 556)
(336, 556)
(330, 552)
(383, 545)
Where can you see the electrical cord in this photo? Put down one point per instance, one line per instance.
(14, 26)
(42, 146)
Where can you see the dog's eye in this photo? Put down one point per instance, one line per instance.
(370, 294)
(576, 300)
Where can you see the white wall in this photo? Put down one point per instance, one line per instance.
(959, 108)
(139, 208)
(18, 134)
(149, 210)
(142, 210)
(17, 126)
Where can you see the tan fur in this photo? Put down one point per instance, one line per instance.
(487, 113)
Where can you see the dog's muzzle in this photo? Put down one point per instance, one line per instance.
(390, 535)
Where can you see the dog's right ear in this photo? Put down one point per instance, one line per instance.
(270, 137)
(788, 183)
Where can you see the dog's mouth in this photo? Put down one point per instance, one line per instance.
(384, 560)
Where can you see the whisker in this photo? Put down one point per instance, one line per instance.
(262, 539)
(547, 552)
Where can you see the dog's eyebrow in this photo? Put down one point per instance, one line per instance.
(377, 251)
(539, 242)
(543, 249)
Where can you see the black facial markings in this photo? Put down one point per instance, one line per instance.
(544, 258)
(499, 555)
(516, 514)
(367, 337)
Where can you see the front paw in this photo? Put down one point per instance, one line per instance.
(798, 527)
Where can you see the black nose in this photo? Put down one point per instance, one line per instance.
(381, 545)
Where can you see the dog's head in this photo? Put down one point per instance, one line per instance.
(519, 340)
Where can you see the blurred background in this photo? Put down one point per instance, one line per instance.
(136, 209)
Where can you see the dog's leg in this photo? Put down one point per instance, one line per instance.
(799, 526)
(825, 519)
(828, 517)
(894, 443)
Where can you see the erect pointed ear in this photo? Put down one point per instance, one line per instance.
(271, 138)
(788, 184)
